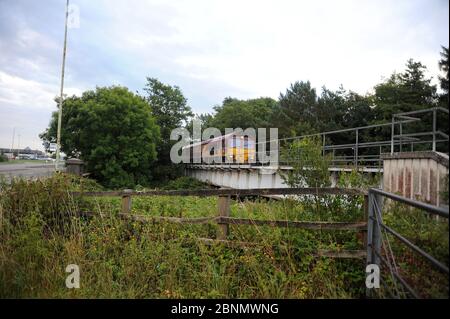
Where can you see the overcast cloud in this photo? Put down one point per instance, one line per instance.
(211, 49)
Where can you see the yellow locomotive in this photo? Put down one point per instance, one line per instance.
(229, 148)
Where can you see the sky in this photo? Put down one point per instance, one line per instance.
(210, 49)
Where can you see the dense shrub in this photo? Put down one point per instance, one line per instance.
(185, 182)
(41, 233)
(113, 131)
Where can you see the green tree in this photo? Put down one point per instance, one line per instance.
(113, 131)
(296, 114)
(170, 109)
(403, 92)
(234, 113)
(443, 66)
(330, 110)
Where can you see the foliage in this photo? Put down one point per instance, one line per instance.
(431, 235)
(235, 113)
(309, 166)
(296, 113)
(113, 131)
(170, 109)
(185, 182)
(111, 251)
(404, 92)
(3, 158)
(354, 179)
(443, 66)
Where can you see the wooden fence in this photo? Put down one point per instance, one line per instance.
(223, 218)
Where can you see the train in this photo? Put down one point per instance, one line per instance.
(229, 148)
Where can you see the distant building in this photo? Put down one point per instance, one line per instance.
(9, 156)
(26, 153)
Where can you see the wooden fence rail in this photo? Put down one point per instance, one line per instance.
(223, 218)
(232, 192)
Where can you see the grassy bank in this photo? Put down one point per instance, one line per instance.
(42, 233)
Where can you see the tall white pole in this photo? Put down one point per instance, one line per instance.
(12, 144)
(58, 138)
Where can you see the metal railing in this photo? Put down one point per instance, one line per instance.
(377, 242)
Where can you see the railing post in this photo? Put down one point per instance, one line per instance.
(434, 129)
(401, 137)
(392, 134)
(126, 201)
(223, 211)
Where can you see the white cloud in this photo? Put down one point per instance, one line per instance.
(26, 106)
(31, 94)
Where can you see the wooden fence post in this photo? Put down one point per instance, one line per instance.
(223, 211)
(126, 201)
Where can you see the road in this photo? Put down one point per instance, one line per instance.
(27, 170)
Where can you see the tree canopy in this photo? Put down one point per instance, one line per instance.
(170, 109)
(234, 113)
(443, 66)
(113, 131)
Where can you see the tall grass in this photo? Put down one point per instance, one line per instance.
(42, 232)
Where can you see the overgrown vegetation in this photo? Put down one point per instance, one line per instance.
(41, 233)
(310, 167)
(428, 232)
(185, 182)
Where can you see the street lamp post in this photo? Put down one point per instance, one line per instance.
(58, 138)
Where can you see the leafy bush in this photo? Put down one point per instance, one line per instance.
(3, 158)
(309, 166)
(113, 131)
(185, 182)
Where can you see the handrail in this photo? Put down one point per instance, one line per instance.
(415, 203)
